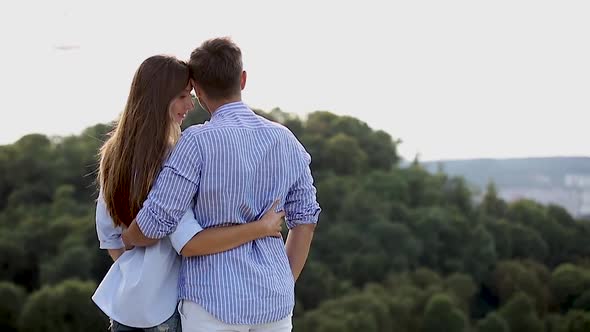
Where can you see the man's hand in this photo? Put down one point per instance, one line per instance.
(271, 223)
(297, 246)
(133, 237)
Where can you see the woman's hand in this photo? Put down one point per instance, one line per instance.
(271, 223)
(214, 240)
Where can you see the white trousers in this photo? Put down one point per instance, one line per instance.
(195, 318)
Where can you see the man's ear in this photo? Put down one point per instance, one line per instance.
(198, 91)
(194, 85)
(243, 80)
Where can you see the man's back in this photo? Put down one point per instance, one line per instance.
(239, 163)
(248, 162)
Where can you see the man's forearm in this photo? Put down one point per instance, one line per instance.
(297, 247)
(133, 236)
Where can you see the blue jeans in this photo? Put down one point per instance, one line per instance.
(171, 325)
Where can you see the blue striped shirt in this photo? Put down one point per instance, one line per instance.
(233, 168)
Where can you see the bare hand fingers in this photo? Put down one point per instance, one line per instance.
(275, 204)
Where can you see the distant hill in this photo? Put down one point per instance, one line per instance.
(561, 180)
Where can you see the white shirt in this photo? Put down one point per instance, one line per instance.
(141, 287)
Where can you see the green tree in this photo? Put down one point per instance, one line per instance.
(554, 323)
(527, 243)
(560, 215)
(501, 231)
(388, 186)
(567, 283)
(345, 155)
(492, 204)
(316, 284)
(423, 189)
(527, 212)
(582, 302)
(442, 315)
(577, 321)
(457, 193)
(479, 254)
(463, 288)
(444, 232)
(492, 323)
(71, 263)
(512, 277)
(12, 298)
(399, 244)
(30, 170)
(359, 206)
(12, 258)
(520, 314)
(381, 150)
(391, 240)
(66, 307)
(424, 277)
(362, 311)
(330, 193)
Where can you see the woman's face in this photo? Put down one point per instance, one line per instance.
(182, 104)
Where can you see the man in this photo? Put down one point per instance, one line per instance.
(233, 167)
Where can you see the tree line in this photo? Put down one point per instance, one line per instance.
(396, 249)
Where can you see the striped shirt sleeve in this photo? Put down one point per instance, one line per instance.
(301, 206)
(185, 231)
(173, 191)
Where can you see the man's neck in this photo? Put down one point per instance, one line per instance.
(216, 104)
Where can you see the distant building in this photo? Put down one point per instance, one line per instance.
(577, 180)
(564, 181)
(580, 184)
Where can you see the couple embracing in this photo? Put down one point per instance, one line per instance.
(200, 212)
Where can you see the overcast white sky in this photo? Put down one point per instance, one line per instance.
(452, 79)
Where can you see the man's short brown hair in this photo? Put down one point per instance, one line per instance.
(216, 66)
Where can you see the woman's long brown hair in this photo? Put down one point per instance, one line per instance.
(132, 157)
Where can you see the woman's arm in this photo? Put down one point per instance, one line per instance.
(109, 236)
(219, 239)
(116, 253)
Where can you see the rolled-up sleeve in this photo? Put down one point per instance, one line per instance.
(109, 236)
(301, 206)
(173, 191)
(187, 228)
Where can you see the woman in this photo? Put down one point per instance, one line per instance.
(139, 293)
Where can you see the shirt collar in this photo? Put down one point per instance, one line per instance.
(229, 108)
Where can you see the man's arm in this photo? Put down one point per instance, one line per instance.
(297, 246)
(302, 212)
(133, 237)
(170, 196)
